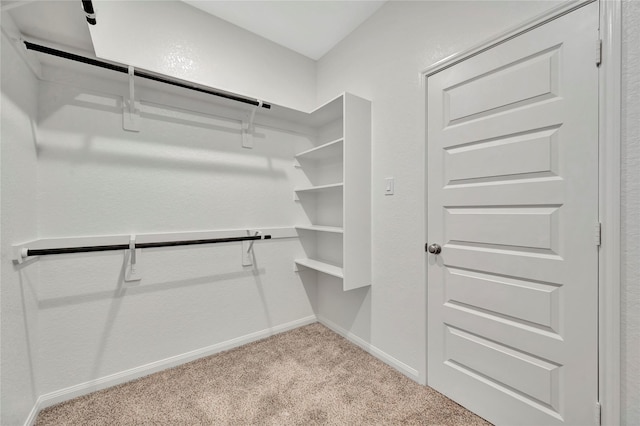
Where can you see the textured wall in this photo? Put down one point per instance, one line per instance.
(18, 224)
(630, 319)
(202, 48)
(109, 328)
(184, 171)
(381, 61)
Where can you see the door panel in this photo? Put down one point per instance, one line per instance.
(512, 199)
(524, 228)
(531, 302)
(525, 81)
(503, 158)
(532, 376)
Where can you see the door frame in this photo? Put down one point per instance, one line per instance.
(609, 193)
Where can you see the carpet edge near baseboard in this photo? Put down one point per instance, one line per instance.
(403, 368)
(128, 375)
(75, 391)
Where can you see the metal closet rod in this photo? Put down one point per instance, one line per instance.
(112, 247)
(87, 5)
(142, 74)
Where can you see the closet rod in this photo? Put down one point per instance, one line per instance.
(111, 247)
(87, 5)
(142, 74)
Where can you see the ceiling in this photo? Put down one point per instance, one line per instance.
(309, 27)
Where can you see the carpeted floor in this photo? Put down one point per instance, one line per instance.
(305, 376)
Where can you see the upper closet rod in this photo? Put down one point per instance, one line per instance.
(143, 74)
(87, 5)
(26, 252)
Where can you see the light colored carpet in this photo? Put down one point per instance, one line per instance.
(306, 376)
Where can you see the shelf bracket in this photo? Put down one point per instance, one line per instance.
(132, 257)
(247, 250)
(131, 108)
(248, 127)
(20, 255)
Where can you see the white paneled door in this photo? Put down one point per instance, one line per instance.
(513, 208)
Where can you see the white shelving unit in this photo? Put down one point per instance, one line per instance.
(337, 199)
(323, 267)
(324, 152)
(320, 188)
(319, 228)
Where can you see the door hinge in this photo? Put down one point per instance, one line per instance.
(598, 234)
(598, 52)
(598, 413)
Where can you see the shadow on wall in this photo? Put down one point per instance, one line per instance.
(309, 283)
(257, 273)
(27, 285)
(170, 137)
(347, 310)
(134, 288)
(126, 290)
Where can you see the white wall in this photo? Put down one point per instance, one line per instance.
(177, 174)
(173, 38)
(184, 171)
(630, 315)
(18, 224)
(381, 61)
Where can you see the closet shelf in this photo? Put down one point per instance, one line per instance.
(329, 150)
(320, 228)
(320, 188)
(346, 123)
(324, 267)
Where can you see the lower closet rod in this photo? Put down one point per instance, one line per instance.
(111, 247)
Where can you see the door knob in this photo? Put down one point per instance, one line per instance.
(434, 249)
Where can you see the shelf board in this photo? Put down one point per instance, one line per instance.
(320, 188)
(323, 152)
(324, 114)
(320, 228)
(324, 267)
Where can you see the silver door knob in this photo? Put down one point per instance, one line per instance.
(434, 249)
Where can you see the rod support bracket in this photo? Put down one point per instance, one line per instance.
(132, 258)
(247, 250)
(20, 255)
(131, 108)
(248, 127)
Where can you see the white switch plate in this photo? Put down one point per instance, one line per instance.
(389, 184)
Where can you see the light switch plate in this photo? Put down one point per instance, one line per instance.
(389, 186)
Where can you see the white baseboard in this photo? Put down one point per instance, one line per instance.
(33, 414)
(403, 368)
(81, 389)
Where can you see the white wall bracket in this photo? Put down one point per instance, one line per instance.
(248, 127)
(247, 250)
(20, 255)
(132, 257)
(131, 108)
